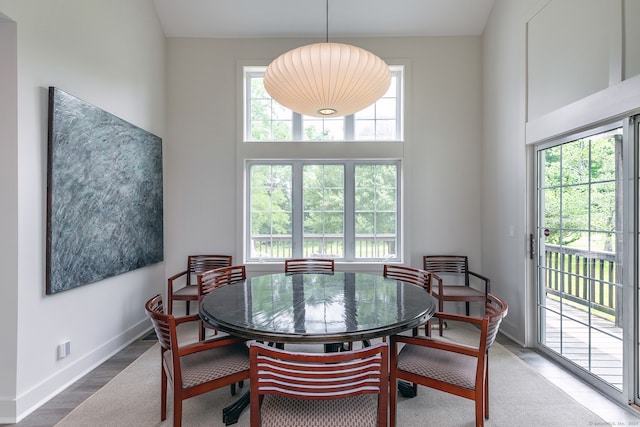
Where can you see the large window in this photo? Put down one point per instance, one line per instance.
(266, 120)
(346, 209)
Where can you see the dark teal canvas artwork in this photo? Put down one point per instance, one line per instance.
(104, 195)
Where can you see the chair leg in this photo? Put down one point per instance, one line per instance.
(393, 400)
(467, 307)
(201, 331)
(486, 387)
(177, 410)
(479, 409)
(440, 308)
(163, 395)
(188, 305)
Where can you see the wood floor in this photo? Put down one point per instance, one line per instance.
(58, 407)
(54, 410)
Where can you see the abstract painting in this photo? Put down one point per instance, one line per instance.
(104, 195)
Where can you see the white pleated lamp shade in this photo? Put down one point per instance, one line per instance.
(327, 79)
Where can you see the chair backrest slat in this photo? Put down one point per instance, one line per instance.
(319, 376)
(496, 310)
(309, 265)
(411, 275)
(448, 265)
(228, 275)
(160, 321)
(319, 380)
(197, 264)
(209, 280)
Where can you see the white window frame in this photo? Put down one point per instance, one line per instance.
(297, 119)
(349, 255)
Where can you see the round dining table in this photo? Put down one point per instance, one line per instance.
(317, 307)
(329, 308)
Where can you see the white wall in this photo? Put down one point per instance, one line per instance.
(9, 210)
(541, 80)
(631, 32)
(566, 39)
(504, 161)
(441, 153)
(110, 54)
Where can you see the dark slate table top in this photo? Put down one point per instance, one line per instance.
(317, 307)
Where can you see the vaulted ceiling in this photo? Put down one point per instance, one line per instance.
(308, 18)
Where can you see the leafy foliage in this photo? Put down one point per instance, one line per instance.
(323, 208)
(580, 190)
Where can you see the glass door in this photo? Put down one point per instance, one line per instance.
(580, 254)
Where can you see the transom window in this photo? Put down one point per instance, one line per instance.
(345, 209)
(267, 120)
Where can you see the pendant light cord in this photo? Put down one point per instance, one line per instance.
(327, 15)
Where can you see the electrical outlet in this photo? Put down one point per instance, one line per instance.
(64, 349)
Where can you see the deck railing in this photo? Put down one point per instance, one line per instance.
(588, 278)
(329, 245)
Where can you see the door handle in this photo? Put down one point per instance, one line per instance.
(532, 250)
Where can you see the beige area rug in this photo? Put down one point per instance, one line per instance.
(518, 396)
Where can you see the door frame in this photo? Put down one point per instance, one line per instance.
(629, 233)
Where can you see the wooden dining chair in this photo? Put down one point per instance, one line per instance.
(321, 389)
(415, 276)
(459, 369)
(197, 368)
(309, 265)
(182, 286)
(411, 275)
(456, 281)
(212, 279)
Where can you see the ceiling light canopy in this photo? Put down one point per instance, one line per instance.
(327, 79)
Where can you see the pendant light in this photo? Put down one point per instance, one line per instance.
(327, 79)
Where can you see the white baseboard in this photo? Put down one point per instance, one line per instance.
(37, 396)
(507, 329)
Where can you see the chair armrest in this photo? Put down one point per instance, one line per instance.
(458, 318)
(170, 281)
(440, 283)
(176, 276)
(437, 344)
(487, 282)
(184, 319)
(209, 344)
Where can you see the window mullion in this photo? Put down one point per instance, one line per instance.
(349, 127)
(296, 126)
(247, 106)
(349, 210)
(297, 213)
(399, 104)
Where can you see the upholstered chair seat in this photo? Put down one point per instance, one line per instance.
(448, 367)
(210, 365)
(278, 411)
